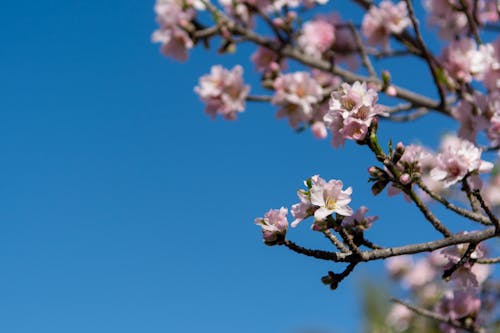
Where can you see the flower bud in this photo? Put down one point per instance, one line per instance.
(405, 179)
(398, 153)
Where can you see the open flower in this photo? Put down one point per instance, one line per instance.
(274, 225)
(457, 158)
(330, 198)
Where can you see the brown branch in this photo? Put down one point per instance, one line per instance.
(463, 260)
(487, 210)
(471, 237)
(260, 98)
(338, 244)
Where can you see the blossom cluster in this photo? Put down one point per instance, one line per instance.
(450, 16)
(383, 20)
(174, 18)
(223, 92)
(457, 297)
(352, 110)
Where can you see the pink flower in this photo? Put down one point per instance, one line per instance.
(352, 109)
(463, 60)
(492, 75)
(473, 114)
(305, 208)
(358, 221)
(266, 60)
(316, 37)
(399, 266)
(321, 199)
(274, 225)
(173, 16)
(420, 274)
(298, 95)
(457, 158)
(330, 198)
(399, 317)
(223, 92)
(382, 21)
(458, 304)
(452, 22)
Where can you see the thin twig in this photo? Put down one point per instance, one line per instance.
(463, 260)
(259, 98)
(427, 55)
(461, 211)
(470, 327)
(335, 241)
(410, 116)
(489, 261)
(487, 210)
(362, 51)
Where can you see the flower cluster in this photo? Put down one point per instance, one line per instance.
(452, 22)
(174, 18)
(382, 21)
(463, 60)
(298, 95)
(456, 299)
(223, 92)
(352, 110)
(458, 158)
(317, 36)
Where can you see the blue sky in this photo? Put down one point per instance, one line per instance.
(126, 209)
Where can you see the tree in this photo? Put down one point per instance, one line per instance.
(333, 86)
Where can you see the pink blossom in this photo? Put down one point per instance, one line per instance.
(457, 158)
(473, 113)
(382, 21)
(298, 94)
(399, 266)
(352, 109)
(321, 199)
(399, 317)
(458, 304)
(316, 37)
(358, 221)
(452, 22)
(491, 192)
(223, 92)
(492, 75)
(420, 274)
(305, 208)
(274, 225)
(331, 198)
(173, 16)
(463, 60)
(266, 60)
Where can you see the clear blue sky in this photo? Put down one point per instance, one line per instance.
(125, 209)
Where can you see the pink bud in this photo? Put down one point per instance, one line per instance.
(274, 66)
(291, 15)
(319, 130)
(391, 91)
(405, 179)
(278, 22)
